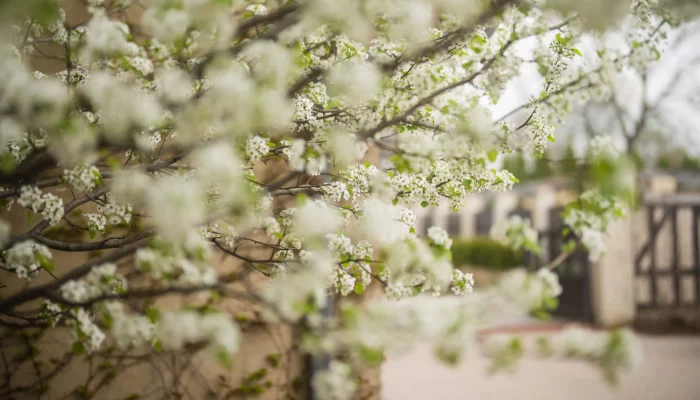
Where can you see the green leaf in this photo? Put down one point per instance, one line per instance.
(225, 359)
(477, 44)
(562, 39)
(8, 163)
(273, 359)
(468, 64)
(568, 246)
(113, 163)
(359, 288)
(550, 138)
(372, 356)
(424, 204)
(541, 315)
(153, 314)
(577, 51)
(78, 348)
(108, 320)
(551, 303)
(493, 155)
(92, 234)
(44, 262)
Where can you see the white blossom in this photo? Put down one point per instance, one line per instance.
(357, 81)
(462, 283)
(176, 329)
(315, 218)
(439, 237)
(335, 383)
(517, 233)
(27, 257)
(50, 206)
(257, 147)
(82, 178)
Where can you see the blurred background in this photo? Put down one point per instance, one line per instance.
(649, 278)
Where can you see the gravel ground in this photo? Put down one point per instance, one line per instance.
(670, 371)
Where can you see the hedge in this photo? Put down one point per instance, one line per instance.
(485, 252)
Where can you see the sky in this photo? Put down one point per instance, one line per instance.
(675, 116)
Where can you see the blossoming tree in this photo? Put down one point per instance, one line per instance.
(172, 133)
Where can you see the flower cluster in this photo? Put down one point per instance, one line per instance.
(589, 217)
(109, 212)
(439, 237)
(257, 147)
(175, 329)
(534, 292)
(612, 352)
(462, 283)
(82, 178)
(48, 204)
(518, 233)
(26, 258)
(335, 383)
(188, 264)
(103, 280)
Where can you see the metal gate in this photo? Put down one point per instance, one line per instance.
(484, 220)
(575, 302)
(667, 266)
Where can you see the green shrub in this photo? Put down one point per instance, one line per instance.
(485, 252)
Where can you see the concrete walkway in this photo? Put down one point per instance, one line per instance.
(670, 371)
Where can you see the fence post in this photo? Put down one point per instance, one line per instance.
(612, 279)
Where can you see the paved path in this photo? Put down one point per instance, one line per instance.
(670, 371)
